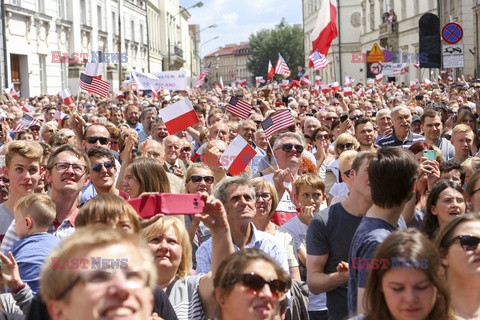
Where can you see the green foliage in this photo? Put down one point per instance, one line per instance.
(266, 44)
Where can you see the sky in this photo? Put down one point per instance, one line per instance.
(237, 19)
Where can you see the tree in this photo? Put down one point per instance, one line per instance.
(266, 44)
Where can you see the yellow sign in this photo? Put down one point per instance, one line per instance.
(376, 54)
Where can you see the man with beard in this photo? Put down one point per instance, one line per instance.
(401, 136)
(432, 127)
(131, 116)
(365, 134)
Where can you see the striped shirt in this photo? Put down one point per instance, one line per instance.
(391, 140)
(185, 298)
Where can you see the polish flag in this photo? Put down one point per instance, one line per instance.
(305, 80)
(318, 80)
(417, 65)
(179, 116)
(295, 83)
(325, 28)
(379, 77)
(326, 88)
(67, 96)
(220, 83)
(237, 156)
(60, 115)
(335, 86)
(347, 91)
(94, 70)
(316, 89)
(241, 82)
(370, 82)
(426, 81)
(28, 108)
(271, 72)
(10, 91)
(360, 92)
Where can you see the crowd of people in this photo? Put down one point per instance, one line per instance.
(365, 208)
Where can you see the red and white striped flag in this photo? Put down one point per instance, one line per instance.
(427, 82)
(325, 27)
(94, 86)
(326, 88)
(239, 107)
(66, 96)
(28, 108)
(237, 156)
(305, 80)
(276, 122)
(178, 116)
(26, 122)
(335, 86)
(318, 61)
(379, 77)
(281, 67)
(347, 91)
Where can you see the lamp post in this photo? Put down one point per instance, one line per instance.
(197, 52)
(214, 38)
(199, 4)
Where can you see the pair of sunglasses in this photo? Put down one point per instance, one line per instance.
(97, 167)
(207, 179)
(287, 147)
(346, 146)
(322, 136)
(467, 242)
(93, 140)
(255, 283)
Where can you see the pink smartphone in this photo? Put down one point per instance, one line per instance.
(149, 205)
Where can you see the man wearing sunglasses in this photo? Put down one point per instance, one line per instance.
(103, 172)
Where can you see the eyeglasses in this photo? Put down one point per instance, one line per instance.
(93, 140)
(324, 136)
(77, 168)
(255, 283)
(207, 179)
(468, 243)
(100, 279)
(356, 117)
(346, 146)
(329, 118)
(186, 149)
(265, 196)
(287, 147)
(97, 167)
(35, 129)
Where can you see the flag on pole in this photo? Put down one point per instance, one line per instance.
(239, 107)
(94, 69)
(26, 122)
(276, 122)
(220, 83)
(93, 85)
(178, 116)
(281, 67)
(271, 72)
(318, 61)
(67, 96)
(325, 28)
(203, 75)
(28, 108)
(237, 156)
(379, 77)
(427, 82)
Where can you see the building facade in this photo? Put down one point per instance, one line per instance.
(230, 63)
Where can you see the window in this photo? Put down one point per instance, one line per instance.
(41, 6)
(99, 17)
(63, 74)
(132, 30)
(62, 11)
(114, 23)
(42, 72)
(83, 12)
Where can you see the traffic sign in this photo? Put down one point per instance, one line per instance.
(453, 56)
(376, 54)
(376, 68)
(452, 32)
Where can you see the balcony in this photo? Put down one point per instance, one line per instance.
(388, 35)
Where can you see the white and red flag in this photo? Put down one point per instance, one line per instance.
(93, 85)
(239, 107)
(237, 156)
(94, 69)
(220, 83)
(305, 80)
(370, 82)
(360, 92)
(259, 80)
(281, 67)
(178, 116)
(10, 91)
(276, 122)
(326, 88)
(66, 96)
(318, 80)
(271, 72)
(28, 108)
(379, 77)
(347, 91)
(335, 86)
(427, 82)
(318, 61)
(348, 80)
(325, 28)
(417, 64)
(241, 82)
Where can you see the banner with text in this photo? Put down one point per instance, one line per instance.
(170, 80)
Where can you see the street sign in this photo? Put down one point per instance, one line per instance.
(376, 54)
(376, 68)
(453, 56)
(387, 69)
(452, 33)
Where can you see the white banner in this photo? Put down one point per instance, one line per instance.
(170, 80)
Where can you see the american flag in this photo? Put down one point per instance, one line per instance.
(93, 85)
(319, 61)
(239, 107)
(204, 74)
(277, 122)
(281, 67)
(26, 122)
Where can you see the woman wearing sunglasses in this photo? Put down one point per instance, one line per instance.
(405, 280)
(198, 179)
(459, 247)
(322, 140)
(251, 285)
